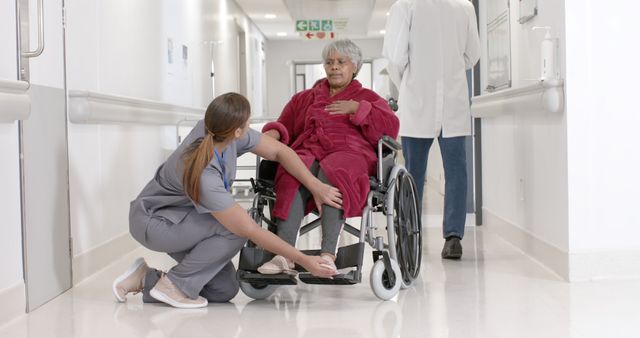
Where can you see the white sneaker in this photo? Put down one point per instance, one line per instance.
(130, 281)
(276, 265)
(166, 292)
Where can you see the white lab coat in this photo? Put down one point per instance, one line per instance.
(429, 45)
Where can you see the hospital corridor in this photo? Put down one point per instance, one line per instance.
(319, 168)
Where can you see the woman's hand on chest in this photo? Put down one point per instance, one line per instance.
(342, 107)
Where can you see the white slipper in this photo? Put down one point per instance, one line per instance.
(130, 280)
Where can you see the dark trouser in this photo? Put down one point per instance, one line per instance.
(332, 218)
(452, 149)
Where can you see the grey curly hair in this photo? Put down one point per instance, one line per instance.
(345, 47)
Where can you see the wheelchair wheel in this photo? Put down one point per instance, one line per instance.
(408, 228)
(380, 281)
(257, 291)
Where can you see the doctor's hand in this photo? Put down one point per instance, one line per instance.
(317, 266)
(326, 194)
(343, 107)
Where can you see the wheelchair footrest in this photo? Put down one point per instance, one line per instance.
(350, 278)
(257, 278)
(347, 256)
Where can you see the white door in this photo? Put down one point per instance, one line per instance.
(43, 147)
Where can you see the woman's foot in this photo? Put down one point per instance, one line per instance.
(166, 292)
(330, 261)
(276, 265)
(131, 280)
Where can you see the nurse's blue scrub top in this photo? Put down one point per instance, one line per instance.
(164, 195)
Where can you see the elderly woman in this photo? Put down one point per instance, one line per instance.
(334, 127)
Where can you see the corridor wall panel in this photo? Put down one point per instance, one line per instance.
(148, 50)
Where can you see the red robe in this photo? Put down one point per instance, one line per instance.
(344, 145)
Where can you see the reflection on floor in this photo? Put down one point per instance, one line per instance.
(494, 291)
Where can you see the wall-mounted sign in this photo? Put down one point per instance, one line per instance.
(316, 29)
(340, 25)
(319, 35)
(314, 25)
(302, 25)
(327, 25)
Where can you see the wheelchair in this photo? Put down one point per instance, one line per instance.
(396, 263)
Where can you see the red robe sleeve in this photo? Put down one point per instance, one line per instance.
(287, 124)
(376, 119)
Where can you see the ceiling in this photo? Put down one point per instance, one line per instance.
(366, 18)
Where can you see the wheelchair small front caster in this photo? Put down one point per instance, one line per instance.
(381, 283)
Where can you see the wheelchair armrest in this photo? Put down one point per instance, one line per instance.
(389, 143)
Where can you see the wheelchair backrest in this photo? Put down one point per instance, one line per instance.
(267, 170)
(387, 150)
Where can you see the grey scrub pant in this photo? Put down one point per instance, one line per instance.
(202, 247)
(332, 218)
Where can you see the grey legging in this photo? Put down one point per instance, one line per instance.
(332, 218)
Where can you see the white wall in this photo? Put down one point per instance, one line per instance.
(563, 187)
(524, 157)
(121, 47)
(11, 239)
(8, 40)
(603, 120)
(280, 54)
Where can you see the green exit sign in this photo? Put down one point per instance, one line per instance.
(325, 25)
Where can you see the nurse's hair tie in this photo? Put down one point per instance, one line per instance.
(209, 131)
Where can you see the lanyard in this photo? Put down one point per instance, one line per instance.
(224, 174)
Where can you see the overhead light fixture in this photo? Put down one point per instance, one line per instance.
(382, 31)
(269, 16)
(281, 34)
(388, 13)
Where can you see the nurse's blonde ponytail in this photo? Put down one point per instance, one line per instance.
(225, 114)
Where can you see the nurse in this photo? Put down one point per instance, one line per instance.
(187, 211)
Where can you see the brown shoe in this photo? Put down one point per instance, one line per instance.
(452, 248)
(166, 292)
(131, 280)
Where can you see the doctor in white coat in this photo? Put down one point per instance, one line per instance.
(429, 45)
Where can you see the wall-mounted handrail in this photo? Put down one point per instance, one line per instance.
(184, 121)
(542, 96)
(38, 51)
(98, 108)
(15, 103)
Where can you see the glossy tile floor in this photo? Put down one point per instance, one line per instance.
(494, 291)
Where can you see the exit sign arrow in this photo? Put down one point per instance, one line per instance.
(301, 25)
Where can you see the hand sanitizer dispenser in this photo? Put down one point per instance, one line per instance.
(547, 62)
